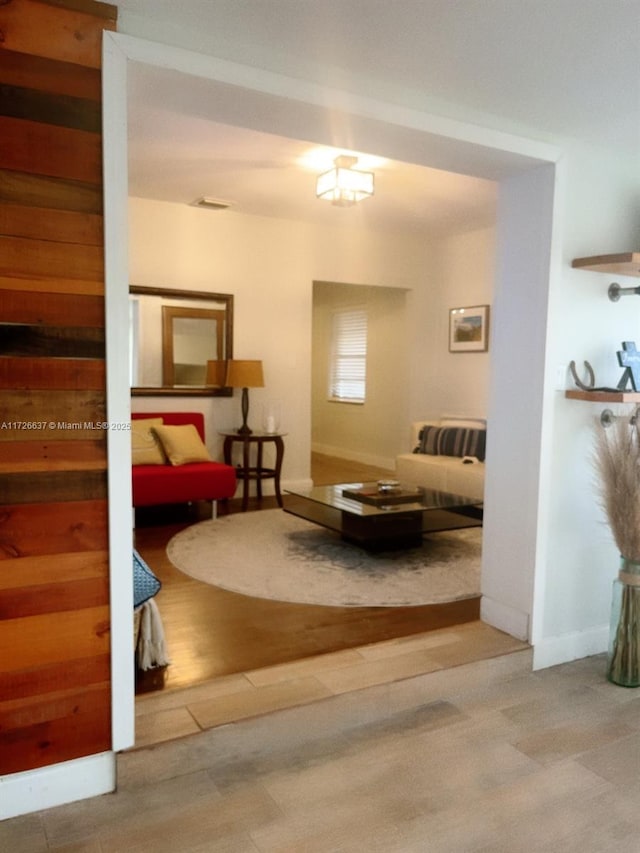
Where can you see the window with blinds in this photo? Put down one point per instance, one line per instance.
(348, 373)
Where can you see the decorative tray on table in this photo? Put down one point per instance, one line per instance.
(384, 493)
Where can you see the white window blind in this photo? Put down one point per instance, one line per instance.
(348, 372)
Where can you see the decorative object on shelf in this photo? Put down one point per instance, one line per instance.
(469, 329)
(629, 358)
(343, 185)
(271, 417)
(591, 382)
(617, 461)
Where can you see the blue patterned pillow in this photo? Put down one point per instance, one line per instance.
(145, 583)
(452, 441)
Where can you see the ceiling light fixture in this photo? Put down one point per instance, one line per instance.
(343, 185)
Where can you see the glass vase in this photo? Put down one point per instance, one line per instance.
(271, 417)
(623, 660)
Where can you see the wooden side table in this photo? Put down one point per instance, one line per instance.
(258, 472)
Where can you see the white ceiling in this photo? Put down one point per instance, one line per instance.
(543, 68)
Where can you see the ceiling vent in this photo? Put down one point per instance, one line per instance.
(211, 203)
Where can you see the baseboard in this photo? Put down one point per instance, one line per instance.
(388, 464)
(508, 619)
(567, 647)
(47, 787)
(296, 485)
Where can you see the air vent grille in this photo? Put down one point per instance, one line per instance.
(211, 203)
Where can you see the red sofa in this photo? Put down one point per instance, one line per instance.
(173, 484)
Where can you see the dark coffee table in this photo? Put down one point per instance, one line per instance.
(397, 519)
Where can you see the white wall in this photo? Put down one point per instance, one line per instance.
(461, 272)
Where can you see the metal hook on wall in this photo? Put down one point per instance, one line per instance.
(607, 417)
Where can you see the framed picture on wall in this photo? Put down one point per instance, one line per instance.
(469, 329)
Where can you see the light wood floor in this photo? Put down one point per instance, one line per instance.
(213, 633)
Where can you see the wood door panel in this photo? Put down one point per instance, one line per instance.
(41, 29)
(45, 149)
(53, 455)
(43, 373)
(34, 529)
(56, 415)
(86, 731)
(49, 486)
(43, 257)
(49, 75)
(51, 309)
(39, 680)
(55, 193)
(63, 226)
(48, 707)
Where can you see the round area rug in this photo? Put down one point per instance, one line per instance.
(271, 554)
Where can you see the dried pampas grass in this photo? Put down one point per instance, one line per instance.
(617, 461)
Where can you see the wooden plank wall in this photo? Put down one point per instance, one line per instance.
(54, 591)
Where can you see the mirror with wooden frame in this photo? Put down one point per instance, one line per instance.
(173, 333)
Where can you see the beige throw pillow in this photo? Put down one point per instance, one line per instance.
(145, 447)
(182, 444)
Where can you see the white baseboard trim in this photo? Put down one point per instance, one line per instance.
(46, 787)
(389, 464)
(579, 644)
(296, 485)
(508, 619)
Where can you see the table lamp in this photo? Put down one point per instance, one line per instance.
(245, 375)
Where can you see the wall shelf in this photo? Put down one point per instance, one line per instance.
(604, 396)
(626, 263)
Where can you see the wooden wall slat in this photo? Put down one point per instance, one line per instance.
(52, 285)
(19, 306)
(39, 455)
(35, 487)
(56, 193)
(55, 414)
(55, 706)
(71, 634)
(44, 373)
(58, 740)
(63, 110)
(35, 571)
(52, 598)
(37, 257)
(55, 702)
(32, 529)
(28, 26)
(43, 679)
(48, 75)
(45, 149)
(64, 226)
(99, 10)
(53, 341)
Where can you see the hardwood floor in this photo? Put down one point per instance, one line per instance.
(212, 632)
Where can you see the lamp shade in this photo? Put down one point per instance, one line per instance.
(216, 373)
(244, 374)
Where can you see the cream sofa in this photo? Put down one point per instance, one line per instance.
(461, 474)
